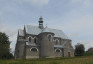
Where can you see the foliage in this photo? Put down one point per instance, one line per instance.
(79, 49)
(4, 46)
(74, 60)
(88, 54)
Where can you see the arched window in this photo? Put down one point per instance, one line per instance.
(58, 50)
(35, 40)
(29, 39)
(34, 49)
(57, 41)
(49, 37)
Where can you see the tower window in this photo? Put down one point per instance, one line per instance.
(49, 37)
(35, 40)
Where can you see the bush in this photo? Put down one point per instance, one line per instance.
(79, 49)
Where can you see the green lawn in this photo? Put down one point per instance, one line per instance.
(75, 60)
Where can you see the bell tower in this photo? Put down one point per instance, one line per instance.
(41, 22)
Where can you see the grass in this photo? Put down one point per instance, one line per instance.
(74, 60)
(89, 53)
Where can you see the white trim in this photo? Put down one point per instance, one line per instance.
(50, 38)
(29, 37)
(58, 49)
(56, 39)
(34, 39)
(49, 34)
(33, 47)
(57, 43)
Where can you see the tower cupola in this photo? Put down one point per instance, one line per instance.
(41, 23)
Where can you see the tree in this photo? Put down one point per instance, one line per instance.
(79, 49)
(4, 46)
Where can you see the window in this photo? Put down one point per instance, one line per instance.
(29, 39)
(58, 50)
(35, 40)
(49, 37)
(34, 49)
(57, 41)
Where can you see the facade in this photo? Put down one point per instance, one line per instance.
(42, 42)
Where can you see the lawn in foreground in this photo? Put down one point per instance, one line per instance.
(75, 60)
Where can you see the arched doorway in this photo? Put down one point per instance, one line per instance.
(68, 54)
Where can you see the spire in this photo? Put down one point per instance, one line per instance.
(41, 22)
(40, 19)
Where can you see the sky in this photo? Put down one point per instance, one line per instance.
(73, 17)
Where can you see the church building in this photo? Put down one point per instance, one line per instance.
(42, 42)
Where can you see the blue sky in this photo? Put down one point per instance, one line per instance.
(74, 17)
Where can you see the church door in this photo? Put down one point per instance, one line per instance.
(68, 54)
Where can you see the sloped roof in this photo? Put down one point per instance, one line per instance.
(46, 30)
(35, 30)
(21, 32)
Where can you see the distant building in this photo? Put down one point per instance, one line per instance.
(42, 42)
(90, 50)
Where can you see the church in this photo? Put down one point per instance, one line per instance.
(42, 42)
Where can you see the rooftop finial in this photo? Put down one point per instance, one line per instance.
(40, 19)
(41, 22)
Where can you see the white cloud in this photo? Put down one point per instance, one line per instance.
(1, 0)
(81, 30)
(75, 1)
(13, 42)
(88, 44)
(0, 13)
(80, 24)
(85, 3)
(72, 35)
(34, 2)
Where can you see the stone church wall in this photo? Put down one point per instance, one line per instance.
(68, 50)
(20, 50)
(58, 53)
(31, 54)
(46, 46)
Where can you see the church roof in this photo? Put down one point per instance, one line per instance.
(35, 30)
(46, 29)
(21, 32)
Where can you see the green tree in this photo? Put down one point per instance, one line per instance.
(79, 49)
(4, 46)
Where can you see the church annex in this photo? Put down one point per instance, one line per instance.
(42, 42)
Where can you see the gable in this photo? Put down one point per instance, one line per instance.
(35, 30)
(21, 32)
